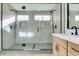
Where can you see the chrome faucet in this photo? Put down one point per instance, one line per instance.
(75, 30)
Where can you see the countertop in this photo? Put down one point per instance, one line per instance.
(71, 38)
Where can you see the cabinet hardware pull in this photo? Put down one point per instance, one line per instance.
(75, 50)
(57, 47)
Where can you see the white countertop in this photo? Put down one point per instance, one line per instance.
(71, 38)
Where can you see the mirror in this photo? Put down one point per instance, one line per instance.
(72, 15)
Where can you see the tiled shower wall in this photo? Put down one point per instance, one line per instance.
(45, 28)
(8, 37)
(0, 26)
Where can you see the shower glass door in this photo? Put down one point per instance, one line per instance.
(26, 30)
(33, 32)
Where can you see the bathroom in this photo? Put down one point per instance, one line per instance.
(28, 26)
(41, 28)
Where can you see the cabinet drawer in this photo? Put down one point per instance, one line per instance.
(62, 42)
(55, 48)
(73, 48)
(62, 51)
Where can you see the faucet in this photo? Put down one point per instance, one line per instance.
(75, 30)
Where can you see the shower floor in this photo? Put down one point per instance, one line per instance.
(43, 46)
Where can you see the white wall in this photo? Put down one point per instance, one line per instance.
(56, 18)
(63, 18)
(8, 37)
(31, 26)
(0, 26)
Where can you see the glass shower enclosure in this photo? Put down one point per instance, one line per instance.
(27, 28)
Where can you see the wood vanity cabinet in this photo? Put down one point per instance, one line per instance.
(63, 47)
(59, 47)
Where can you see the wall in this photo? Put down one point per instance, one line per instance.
(56, 19)
(0, 26)
(8, 37)
(63, 18)
(39, 37)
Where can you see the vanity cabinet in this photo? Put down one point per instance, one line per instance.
(59, 47)
(62, 47)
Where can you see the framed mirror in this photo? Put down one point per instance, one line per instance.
(72, 15)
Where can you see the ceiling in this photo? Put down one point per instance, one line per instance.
(34, 7)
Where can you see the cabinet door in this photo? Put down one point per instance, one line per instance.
(55, 48)
(61, 41)
(62, 51)
(58, 50)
